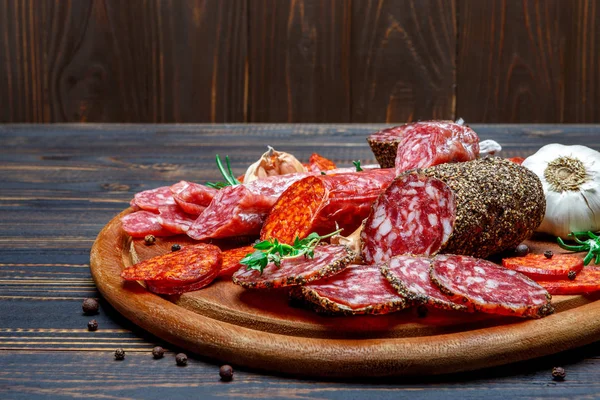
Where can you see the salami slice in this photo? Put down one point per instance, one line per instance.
(150, 200)
(328, 260)
(141, 223)
(409, 276)
(318, 163)
(425, 144)
(192, 197)
(190, 268)
(498, 204)
(415, 216)
(586, 281)
(540, 267)
(173, 219)
(488, 287)
(325, 202)
(358, 289)
(232, 258)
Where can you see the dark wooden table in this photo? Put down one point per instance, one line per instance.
(60, 184)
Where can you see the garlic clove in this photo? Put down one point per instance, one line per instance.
(272, 163)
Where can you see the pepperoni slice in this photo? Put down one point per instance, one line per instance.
(232, 258)
(487, 287)
(150, 200)
(190, 268)
(539, 267)
(141, 223)
(358, 289)
(318, 163)
(328, 260)
(586, 281)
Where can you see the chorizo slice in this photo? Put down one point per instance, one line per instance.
(232, 258)
(586, 281)
(540, 267)
(318, 163)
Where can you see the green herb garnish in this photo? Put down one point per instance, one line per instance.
(357, 165)
(230, 179)
(273, 251)
(591, 245)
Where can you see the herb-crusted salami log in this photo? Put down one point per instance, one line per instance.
(488, 287)
(384, 144)
(328, 260)
(358, 289)
(498, 204)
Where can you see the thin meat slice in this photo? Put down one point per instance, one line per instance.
(173, 219)
(488, 287)
(586, 281)
(358, 289)
(141, 223)
(409, 276)
(232, 258)
(150, 200)
(414, 216)
(328, 260)
(429, 143)
(540, 267)
(192, 197)
(318, 163)
(324, 203)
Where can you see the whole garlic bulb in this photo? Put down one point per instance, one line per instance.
(570, 177)
(272, 163)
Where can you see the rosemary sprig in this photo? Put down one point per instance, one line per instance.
(273, 251)
(357, 165)
(230, 179)
(591, 245)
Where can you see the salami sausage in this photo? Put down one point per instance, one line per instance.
(150, 200)
(192, 197)
(141, 223)
(488, 287)
(586, 281)
(384, 144)
(498, 204)
(173, 219)
(328, 260)
(358, 289)
(540, 267)
(425, 144)
(323, 203)
(409, 276)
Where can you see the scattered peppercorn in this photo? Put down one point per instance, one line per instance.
(149, 239)
(90, 306)
(572, 275)
(226, 373)
(181, 359)
(158, 352)
(558, 374)
(175, 247)
(548, 254)
(93, 325)
(119, 354)
(422, 311)
(522, 250)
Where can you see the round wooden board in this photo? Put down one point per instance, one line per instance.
(261, 330)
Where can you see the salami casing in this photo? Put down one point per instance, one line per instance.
(358, 289)
(488, 287)
(498, 204)
(323, 203)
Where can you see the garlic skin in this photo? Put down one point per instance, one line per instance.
(489, 148)
(272, 163)
(570, 177)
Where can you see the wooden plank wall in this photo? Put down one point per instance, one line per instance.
(299, 60)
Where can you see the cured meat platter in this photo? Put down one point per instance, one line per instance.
(261, 330)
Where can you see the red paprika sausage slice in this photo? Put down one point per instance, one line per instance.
(190, 268)
(328, 260)
(586, 281)
(540, 267)
(318, 163)
(232, 258)
(487, 287)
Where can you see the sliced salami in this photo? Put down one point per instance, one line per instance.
(173, 219)
(141, 223)
(488, 287)
(324, 203)
(150, 200)
(409, 276)
(425, 144)
(192, 197)
(328, 260)
(358, 289)
(415, 216)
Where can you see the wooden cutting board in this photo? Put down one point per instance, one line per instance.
(262, 330)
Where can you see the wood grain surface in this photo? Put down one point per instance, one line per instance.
(60, 184)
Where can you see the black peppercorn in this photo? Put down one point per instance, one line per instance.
(158, 352)
(119, 354)
(522, 250)
(175, 247)
(548, 254)
(181, 359)
(226, 373)
(558, 374)
(93, 325)
(149, 239)
(422, 311)
(90, 306)
(572, 275)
